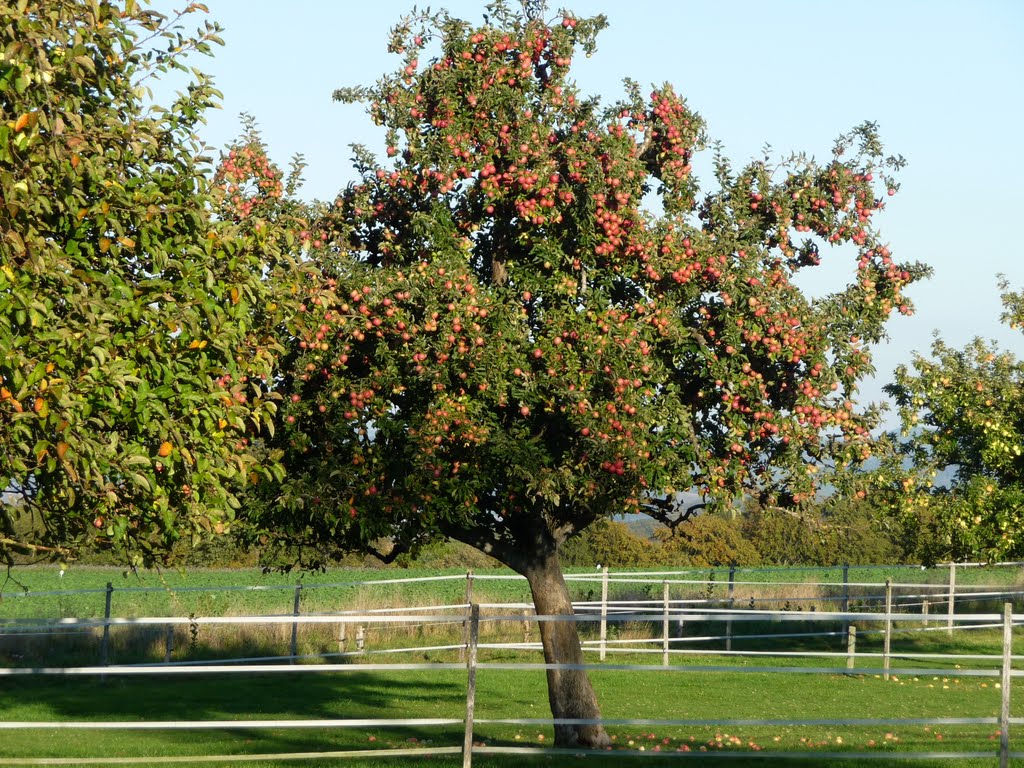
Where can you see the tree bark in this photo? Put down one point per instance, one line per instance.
(570, 693)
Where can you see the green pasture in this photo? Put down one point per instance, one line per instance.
(735, 690)
(685, 692)
(41, 592)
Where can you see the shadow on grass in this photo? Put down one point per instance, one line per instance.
(348, 694)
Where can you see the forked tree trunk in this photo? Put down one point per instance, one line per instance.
(569, 690)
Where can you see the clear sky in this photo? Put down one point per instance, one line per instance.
(944, 80)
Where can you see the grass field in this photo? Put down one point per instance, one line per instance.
(686, 692)
(679, 694)
(30, 592)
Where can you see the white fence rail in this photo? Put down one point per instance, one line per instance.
(1001, 668)
(906, 608)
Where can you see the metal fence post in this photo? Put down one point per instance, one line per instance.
(1004, 710)
(886, 661)
(664, 623)
(846, 595)
(952, 598)
(474, 635)
(169, 644)
(295, 626)
(732, 604)
(105, 643)
(604, 613)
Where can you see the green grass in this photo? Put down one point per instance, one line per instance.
(680, 694)
(354, 693)
(205, 591)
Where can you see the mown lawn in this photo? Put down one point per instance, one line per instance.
(354, 693)
(688, 692)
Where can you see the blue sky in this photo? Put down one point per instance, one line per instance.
(944, 80)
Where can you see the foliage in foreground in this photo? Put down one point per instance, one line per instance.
(130, 313)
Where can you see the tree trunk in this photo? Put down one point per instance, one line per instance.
(569, 690)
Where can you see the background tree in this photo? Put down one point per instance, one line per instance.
(531, 318)
(609, 543)
(707, 541)
(837, 530)
(129, 314)
(962, 413)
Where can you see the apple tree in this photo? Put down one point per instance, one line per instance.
(130, 310)
(531, 316)
(960, 468)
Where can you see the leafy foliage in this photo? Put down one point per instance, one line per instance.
(963, 419)
(507, 340)
(129, 313)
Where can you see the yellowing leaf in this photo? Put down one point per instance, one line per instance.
(234, 295)
(22, 122)
(104, 244)
(127, 242)
(197, 344)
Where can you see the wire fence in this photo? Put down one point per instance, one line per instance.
(604, 593)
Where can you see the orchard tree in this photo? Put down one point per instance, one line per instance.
(531, 318)
(962, 413)
(130, 310)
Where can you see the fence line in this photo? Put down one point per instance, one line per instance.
(652, 612)
(1004, 671)
(625, 577)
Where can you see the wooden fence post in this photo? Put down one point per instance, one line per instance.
(342, 637)
(1004, 710)
(604, 613)
(474, 634)
(360, 638)
(664, 623)
(295, 627)
(952, 599)
(465, 624)
(851, 645)
(888, 628)
(925, 608)
(732, 604)
(105, 643)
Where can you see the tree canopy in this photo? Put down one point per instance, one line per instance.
(531, 316)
